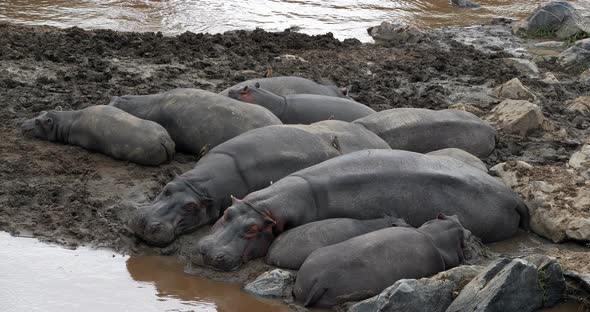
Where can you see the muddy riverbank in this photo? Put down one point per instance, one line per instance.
(68, 195)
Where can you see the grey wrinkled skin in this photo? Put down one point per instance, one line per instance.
(461, 156)
(107, 130)
(287, 85)
(291, 248)
(424, 130)
(363, 266)
(196, 119)
(364, 185)
(302, 108)
(244, 164)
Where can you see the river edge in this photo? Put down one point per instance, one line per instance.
(68, 195)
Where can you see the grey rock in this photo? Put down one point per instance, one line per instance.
(580, 161)
(515, 90)
(583, 280)
(551, 278)
(556, 17)
(465, 4)
(272, 284)
(525, 67)
(577, 56)
(580, 106)
(388, 33)
(516, 117)
(549, 78)
(505, 285)
(433, 294)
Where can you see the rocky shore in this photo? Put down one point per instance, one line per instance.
(534, 90)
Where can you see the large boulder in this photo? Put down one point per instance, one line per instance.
(432, 294)
(580, 161)
(514, 90)
(525, 67)
(557, 18)
(388, 33)
(516, 117)
(512, 285)
(577, 57)
(272, 284)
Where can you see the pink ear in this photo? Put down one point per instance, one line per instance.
(244, 90)
(235, 201)
(441, 216)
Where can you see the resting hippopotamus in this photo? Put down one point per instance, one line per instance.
(302, 108)
(362, 185)
(287, 85)
(462, 156)
(246, 163)
(424, 130)
(291, 248)
(197, 120)
(107, 130)
(363, 266)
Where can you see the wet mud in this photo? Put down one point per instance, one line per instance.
(71, 196)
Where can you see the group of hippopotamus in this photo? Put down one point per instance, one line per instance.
(301, 174)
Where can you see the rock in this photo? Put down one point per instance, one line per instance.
(583, 280)
(516, 117)
(465, 4)
(579, 229)
(468, 108)
(577, 56)
(290, 57)
(271, 284)
(513, 89)
(585, 77)
(508, 171)
(580, 105)
(557, 18)
(388, 33)
(549, 78)
(504, 285)
(525, 67)
(580, 161)
(550, 44)
(427, 294)
(550, 277)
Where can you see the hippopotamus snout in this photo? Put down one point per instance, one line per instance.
(28, 128)
(218, 258)
(155, 232)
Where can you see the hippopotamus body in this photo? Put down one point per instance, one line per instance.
(246, 163)
(302, 108)
(424, 130)
(363, 266)
(291, 248)
(197, 120)
(364, 185)
(287, 85)
(461, 156)
(107, 130)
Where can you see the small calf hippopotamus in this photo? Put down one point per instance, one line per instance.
(462, 156)
(244, 164)
(364, 185)
(291, 248)
(363, 266)
(197, 120)
(302, 108)
(107, 130)
(287, 85)
(424, 130)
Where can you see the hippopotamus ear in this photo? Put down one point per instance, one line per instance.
(399, 222)
(441, 216)
(269, 223)
(235, 201)
(344, 91)
(245, 90)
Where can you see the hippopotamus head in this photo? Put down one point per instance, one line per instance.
(41, 127)
(255, 95)
(244, 232)
(180, 208)
(450, 237)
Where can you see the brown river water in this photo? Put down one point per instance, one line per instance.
(344, 18)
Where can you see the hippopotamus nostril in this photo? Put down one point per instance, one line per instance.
(219, 257)
(154, 227)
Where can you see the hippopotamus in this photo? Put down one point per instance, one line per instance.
(302, 108)
(246, 163)
(107, 130)
(363, 266)
(287, 85)
(424, 130)
(291, 248)
(197, 120)
(364, 185)
(462, 156)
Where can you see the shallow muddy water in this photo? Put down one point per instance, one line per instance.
(344, 18)
(39, 277)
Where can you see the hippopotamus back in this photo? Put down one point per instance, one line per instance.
(197, 119)
(287, 85)
(424, 130)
